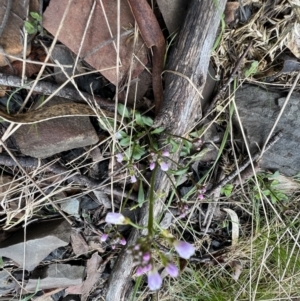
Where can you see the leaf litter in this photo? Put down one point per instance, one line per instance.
(96, 41)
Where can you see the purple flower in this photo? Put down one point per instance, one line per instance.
(172, 269)
(123, 241)
(119, 157)
(143, 269)
(200, 196)
(147, 268)
(104, 237)
(133, 179)
(152, 165)
(184, 249)
(164, 166)
(139, 271)
(146, 257)
(166, 153)
(154, 280)
(113, 247)
(115, 218)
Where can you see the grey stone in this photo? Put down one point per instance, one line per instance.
(71, 206)
(6, 286)
(258, 109)
(55, 276)
(40, 240)
(64, 56)
(53, 136)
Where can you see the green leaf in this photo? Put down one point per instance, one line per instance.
(106, 124)
(30, 28)
(147, 120)
(138, 152)
(122, 134)
(36, 16)
(125, 141)
(157, 131)
(252, 69)
(175, 146)
(123, 111)
(141, 194)
(138, 119)
(1, 263)
(227, 190)
(179, 172)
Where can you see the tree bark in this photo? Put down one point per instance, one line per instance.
(181, 109)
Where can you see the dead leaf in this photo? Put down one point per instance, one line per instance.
(78, 243)
(153, 37)
(238, 268)
(104, 59)
(230, 11)
(93, 275)
(293, 40)
(235, 225)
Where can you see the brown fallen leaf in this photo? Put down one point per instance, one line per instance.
(78, 243)
(153, 37)
(230, 11)
(99, 44)
(93, 264)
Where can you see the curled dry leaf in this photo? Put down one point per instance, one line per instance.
(235, 225)
(153, 37)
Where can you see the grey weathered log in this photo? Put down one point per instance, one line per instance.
(180, 110)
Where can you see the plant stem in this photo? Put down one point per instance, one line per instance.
(151, 203)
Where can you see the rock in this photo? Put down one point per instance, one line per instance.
(55, 276)
(71, 206)
(64, 56)
(7, 284)
(102, 198)
(258, 110)
(53, 136)
(41, 240)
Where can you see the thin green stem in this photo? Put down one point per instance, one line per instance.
(151, 203)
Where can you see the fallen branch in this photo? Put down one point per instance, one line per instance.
(181, 108)
(47, 88)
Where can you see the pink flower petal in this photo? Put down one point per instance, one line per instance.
(123, 241)
(115, 218)
(146, 257)
(152, 165)
(133, 179)
(104, 237)
(164, 166)
(119, 157)
(154, 280)
(172, 270)
(184, 249)
(166, 153)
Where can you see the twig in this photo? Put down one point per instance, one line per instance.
(227, 83)
(47, 88)
(244, 165)
(29, 162)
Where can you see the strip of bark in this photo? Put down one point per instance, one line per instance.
(180, 110)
